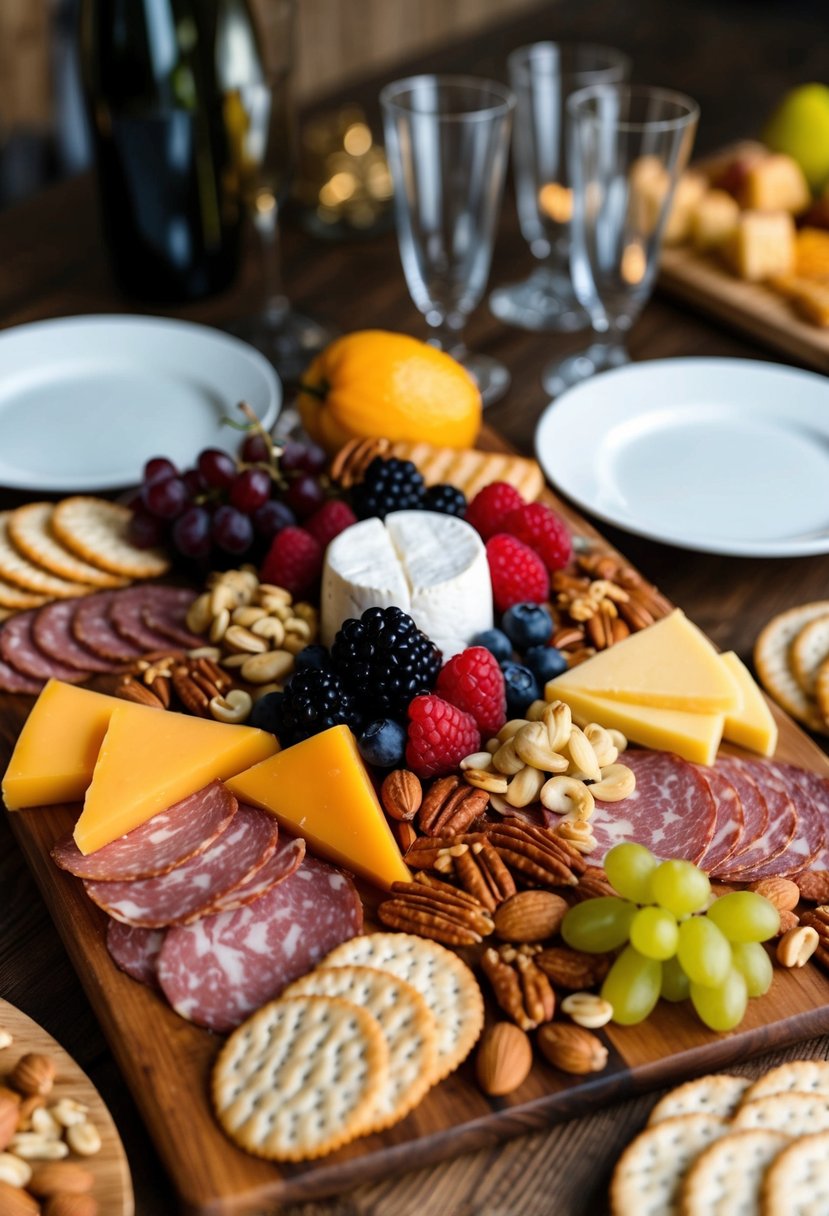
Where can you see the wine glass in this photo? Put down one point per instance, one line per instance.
(542, 77)
(446, 141)
(261, 125)
(628, 146)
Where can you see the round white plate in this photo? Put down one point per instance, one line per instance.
(85, 401)
(724, 456)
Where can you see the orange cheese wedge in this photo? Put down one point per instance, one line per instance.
(320, 789)
(149, 763)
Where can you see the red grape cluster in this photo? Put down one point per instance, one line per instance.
(224, 507)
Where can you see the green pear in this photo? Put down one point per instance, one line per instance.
(800, 128)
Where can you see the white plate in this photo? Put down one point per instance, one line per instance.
(720, 455)
(85, 401)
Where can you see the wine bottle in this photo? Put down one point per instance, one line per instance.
(156, 76)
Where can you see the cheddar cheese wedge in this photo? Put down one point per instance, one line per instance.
(753, 726)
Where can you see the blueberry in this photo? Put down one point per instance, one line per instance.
(312, 656)
(383, 743)
(545, 662)
(264, 712)
(522, 688)
(495, 642)
(527, 625)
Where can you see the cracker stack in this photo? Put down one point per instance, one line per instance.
(792, 660)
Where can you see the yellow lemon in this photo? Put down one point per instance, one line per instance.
(800, 128)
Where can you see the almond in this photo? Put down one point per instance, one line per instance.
(575, 969)
(33, 1074)
(401, 794)
(68, 1177)
(505, 1057)
(65, 1204)
(530, 916)
(782, 892)
(572, 1048)
(788, 921)
(17, 1202)
(9, 1114)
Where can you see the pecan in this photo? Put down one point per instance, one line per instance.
(574, 969)
(435, 910)
(404, 833)
(593, 884)
(818, 919)
(482, 872)
(450, 806)
(350, 463)
(130, 689)
(567, 636)
(520, 987)
(813, 885)
(600, 625)
(536, 852)
(211, 672)
(194, 698)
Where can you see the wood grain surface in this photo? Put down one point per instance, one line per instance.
(113, 1185)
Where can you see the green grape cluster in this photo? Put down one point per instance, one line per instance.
(672, 943)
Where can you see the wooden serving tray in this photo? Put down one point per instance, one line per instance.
(166, 1061)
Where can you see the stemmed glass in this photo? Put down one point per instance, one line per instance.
(542, 77)
(447, 140)
(628, 146)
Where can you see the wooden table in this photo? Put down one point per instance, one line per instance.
(736, 59)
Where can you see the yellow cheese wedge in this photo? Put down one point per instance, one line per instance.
(146, 765)
(56, 752)
(321, 790)
(753, 726)
(693, 736)
(670, 665)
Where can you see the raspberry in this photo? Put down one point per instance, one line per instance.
(294, 561)
(473, 682)
(540, 528)
(490, 507)
(329, 521)
(518, 574)
(440, 735)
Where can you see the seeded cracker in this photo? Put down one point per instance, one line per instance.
(300, 1078)
(650, 1171)
(446, 984)
(772, 655)
(19, 570)
(405, 1020)
(96, 530)
(30, 531)
(725, 1179)
(797, 1181)
(719, 1094)
(798, 1076)
(792, 1113)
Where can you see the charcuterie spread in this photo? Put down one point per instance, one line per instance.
(401, 774)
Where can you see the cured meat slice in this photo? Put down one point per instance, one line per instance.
(167, 840)
(52, 633)
(12, 681)
(755, 807)
(754, 858)
(135, 950)
(92, 628)
(671, 811)
(728, 830)
(169, 619)
(807, 843)
(810, 794)
(19, 650)
(286, 861)
(125, 613)
(185, 893)
(220, 969)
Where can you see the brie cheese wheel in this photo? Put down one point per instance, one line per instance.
(432, 566)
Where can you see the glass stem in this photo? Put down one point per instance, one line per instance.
(447, 335)
(615, 340)
(275, 304)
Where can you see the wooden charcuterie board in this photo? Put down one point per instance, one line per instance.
(166, 1061)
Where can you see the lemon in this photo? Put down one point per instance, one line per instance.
(800, 128)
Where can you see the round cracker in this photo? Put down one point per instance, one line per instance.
(650, 1171)
(30, 531)
(798, 1076)
(822, 690)
(792, 1113)
(717, 1094)
(726, 1178)
(446, 984)
(97, 531)
(772, 660)
(405, 1020)
(300, 1078)
(797, 1181)
(19, 570)
(809, 651)
(15, 599)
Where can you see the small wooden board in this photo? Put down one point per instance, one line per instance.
(113, 1185)
(166, 1061)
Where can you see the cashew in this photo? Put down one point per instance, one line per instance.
(234, 706)
(247, 615)
(617, 739)
(510, 728)
(617, 782)
(578, 834)
(205, 652)
(67, 1111)
(298, 627)
(587, 1009)
(199, 615)
(224, 598)
(35, 1147)
(268, 667)
(558, 720)
(271, 629)
(307, 612)
(481, 760)
(492, 746)
(499, 805)
(505, 759)
(277, 608)
(219, 626)
(239, 639)
(584, 764)
(84, 1139)
(485, 779)
(604, 747)
(525, 787)
(270, 591)
(532, 745)
(293, 644)
(536, 711)
(567, 796)
(45, 1124)
(6, 1039)
(234, 660)
(14, 1170)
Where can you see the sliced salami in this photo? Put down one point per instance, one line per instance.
(52, 633)
(671, 811)
(755, 807)
(12, 681)
(220, 969)
(187, 892)
(170, 619)
(728, 830)
(159, 845)
(807, 843)
(19, 650)
(92, 628)
(760, 858)
(286, 861)
(135, 950)
(810, 793)
(125, 614)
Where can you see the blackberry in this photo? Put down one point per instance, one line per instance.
(446, 500)
(388, 485)
(384, 660)
(313, 700)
